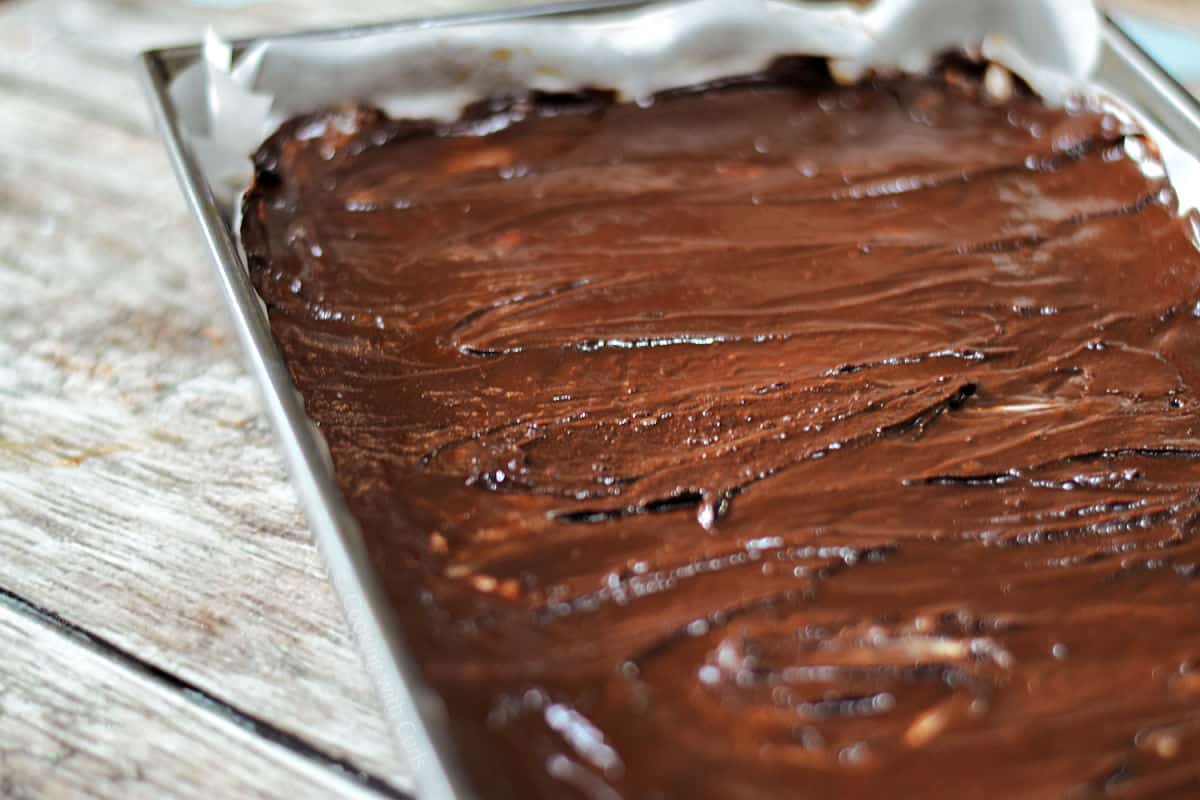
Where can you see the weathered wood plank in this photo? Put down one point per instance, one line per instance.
(74, 723)
(140, 492)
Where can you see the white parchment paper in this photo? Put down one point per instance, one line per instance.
(228, 109)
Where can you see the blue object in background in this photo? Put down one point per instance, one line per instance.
(1176, 48)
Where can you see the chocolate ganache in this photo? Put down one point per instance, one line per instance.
(774, 439)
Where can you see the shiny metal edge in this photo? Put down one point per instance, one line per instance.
(1135, 76)
(415, 714)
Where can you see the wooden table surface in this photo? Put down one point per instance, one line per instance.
(166, 629)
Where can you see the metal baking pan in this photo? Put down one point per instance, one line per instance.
(415, 714)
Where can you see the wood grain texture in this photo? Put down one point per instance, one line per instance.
(74, 723)
(141, 496)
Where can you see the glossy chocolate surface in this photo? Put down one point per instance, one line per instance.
(772, 440)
